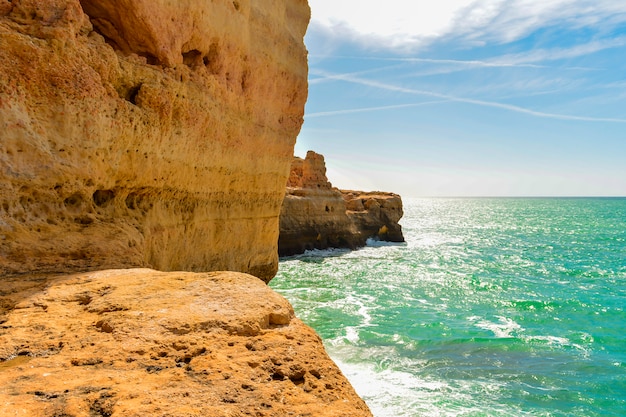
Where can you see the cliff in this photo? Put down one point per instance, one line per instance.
(314, 215)
(131, 129)
(147, 343)
(159, 134)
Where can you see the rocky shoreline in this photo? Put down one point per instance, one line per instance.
(152, 135)
(315, 215)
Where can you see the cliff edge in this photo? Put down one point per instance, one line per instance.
(314, 215)
(131, 129)
(136, 343)
(158, 134)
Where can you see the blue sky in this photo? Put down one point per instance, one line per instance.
(469, 98)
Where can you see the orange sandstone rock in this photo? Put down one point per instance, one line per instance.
(152, 133)
(376, 214)
(147, 133)
(314, 215)
(309, 172)
(146, 343)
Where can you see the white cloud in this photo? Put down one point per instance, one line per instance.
(414, 23)
(393, 23)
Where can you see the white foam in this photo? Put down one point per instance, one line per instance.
(363, 304)
(352, 334)
(317, 253)
(376, 243)
(559, 342)
(503, 329)
(550, 340)
(389, 391)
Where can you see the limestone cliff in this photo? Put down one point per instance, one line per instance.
(125, 343)
(147, 132)
(315, 215)
(152, 133)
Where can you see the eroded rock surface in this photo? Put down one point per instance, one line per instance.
(376, 214)
(147, 343)
(315, 215)
(147, 133)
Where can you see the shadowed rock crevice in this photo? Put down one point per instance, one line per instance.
(114, 21)
(129, 27)
(102, 197)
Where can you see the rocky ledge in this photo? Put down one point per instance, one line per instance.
(314, 215)
(152, 134)
(139, 342)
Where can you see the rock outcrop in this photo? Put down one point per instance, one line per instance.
(147, 133)
(152, 133)
(376, 214)
(315, 215)
(124, 343)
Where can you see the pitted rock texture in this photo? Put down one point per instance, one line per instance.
(147, 343)
(315, 215)
(147, 133)
(376, 214)
(309, 172)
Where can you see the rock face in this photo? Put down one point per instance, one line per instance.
(159, 133)
(315, 215)
(376, 214)
(147, 133)
(123, 343)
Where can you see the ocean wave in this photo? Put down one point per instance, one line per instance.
(316, 254)
(377, 243)
(393, 388)
(484, 312)
(504, 329)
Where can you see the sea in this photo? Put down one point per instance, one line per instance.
(492, 307)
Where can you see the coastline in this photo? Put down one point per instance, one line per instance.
(132, 140)
(316, 215)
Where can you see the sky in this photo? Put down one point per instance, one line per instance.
(469, 97)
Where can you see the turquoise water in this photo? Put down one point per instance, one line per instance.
(493, 307)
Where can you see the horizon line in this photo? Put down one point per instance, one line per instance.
(515, 196)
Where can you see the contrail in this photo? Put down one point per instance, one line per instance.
(368, 109)
(471, 63)
(484, 103)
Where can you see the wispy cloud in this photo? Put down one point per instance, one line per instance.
(394, 23)
(503, 21)
(556, 54)
(407, 24)
(324, 76)
(459, 62)
(484, 103)
(529, 60)
(371, 109)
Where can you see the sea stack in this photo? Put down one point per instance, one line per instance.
(156, 136)
(315, 215)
